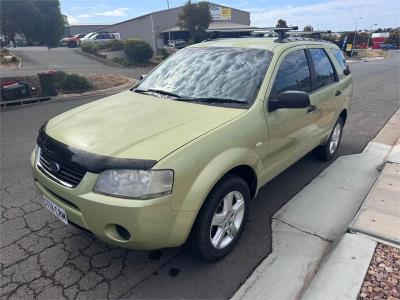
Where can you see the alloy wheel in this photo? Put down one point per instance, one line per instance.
(227, 220)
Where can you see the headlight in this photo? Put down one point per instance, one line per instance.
(135, 183)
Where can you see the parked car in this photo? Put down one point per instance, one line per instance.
(178, 158)
(72, 41)
(177, 44)
(388, 47)
(101, 37)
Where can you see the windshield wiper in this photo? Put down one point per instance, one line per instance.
(161, 92)
(218, 100)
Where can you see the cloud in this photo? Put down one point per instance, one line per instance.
(118, 12)
(84, 16)
(73, 20)
(331, 15)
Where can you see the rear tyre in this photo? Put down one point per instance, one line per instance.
(72, 44)
(328, 151)
(221, 220)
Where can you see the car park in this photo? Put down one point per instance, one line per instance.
(72, 41)
(178, 158)
(101, 37)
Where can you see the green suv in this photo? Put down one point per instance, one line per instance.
(178, 158)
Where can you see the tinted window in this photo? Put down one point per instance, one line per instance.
(212, 72)
(293, 74)
(340, 58)
(323, 68)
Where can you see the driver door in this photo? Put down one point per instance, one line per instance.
(290, 131)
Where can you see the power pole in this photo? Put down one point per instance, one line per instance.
(169, 26)
(354, 38)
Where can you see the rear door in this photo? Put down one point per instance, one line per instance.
(326, 95)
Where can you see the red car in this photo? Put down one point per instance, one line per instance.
(72, 41)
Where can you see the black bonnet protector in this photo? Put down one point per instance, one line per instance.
(91, 162)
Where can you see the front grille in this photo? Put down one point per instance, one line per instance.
(68, 174)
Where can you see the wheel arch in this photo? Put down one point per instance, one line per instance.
(343, 115)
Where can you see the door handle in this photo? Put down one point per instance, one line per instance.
(338, 93)
(311, 108)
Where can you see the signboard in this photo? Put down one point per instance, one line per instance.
(348, 47)
(219, 13)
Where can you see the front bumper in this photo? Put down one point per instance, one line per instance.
(151, 224)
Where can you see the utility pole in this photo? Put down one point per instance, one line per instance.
(370, 33)
(354, 38)
(169, 26)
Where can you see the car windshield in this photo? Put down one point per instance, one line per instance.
(213, 75)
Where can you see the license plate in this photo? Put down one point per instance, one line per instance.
(55, 210)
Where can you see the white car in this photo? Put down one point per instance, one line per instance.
(100, 37)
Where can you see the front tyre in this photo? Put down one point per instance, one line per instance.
(328, 151)
(221, 220)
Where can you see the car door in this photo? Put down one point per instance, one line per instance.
(290, 131)
(326, 95)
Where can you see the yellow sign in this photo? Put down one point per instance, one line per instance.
(219, 13)
(348, 47)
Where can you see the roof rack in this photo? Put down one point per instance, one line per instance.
(289, 34)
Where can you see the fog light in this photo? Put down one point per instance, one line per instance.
(123, 232)
(117, 232)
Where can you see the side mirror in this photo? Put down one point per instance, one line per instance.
(143, 76)
(346, 71)
(289, 99)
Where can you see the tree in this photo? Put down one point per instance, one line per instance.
(394, 37)
(39, 21)
(308, 28)
(281, 23)
(195, 18)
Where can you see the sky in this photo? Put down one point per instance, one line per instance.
(335, 15)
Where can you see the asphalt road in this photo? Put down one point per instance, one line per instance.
(40, 257)
(35, 59)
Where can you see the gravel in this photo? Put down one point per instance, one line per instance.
(383, 277)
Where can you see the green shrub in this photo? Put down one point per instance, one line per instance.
(115, 45)
(122, 61)
(164, 53)
(75, 83)
(138, 51)
(92, 48)
(58, 79)
(86, 47)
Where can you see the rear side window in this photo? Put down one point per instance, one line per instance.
(293, 74)
(324, 71)
(340, 59)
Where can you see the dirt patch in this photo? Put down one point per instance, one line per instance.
(369, 53)
(9, 66)
(100, 82)
(383, 278)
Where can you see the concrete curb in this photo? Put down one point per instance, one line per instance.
(342, 273)
(22, 102)
(100, 59)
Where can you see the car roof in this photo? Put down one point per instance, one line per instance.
(267, 43)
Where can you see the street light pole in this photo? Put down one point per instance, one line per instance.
(370, 33)
(169, 26)
(354, 38)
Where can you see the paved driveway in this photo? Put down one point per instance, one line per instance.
(37, 59)
(40, 257)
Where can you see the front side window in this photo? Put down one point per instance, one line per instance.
(214, 74)
(293, 75)
(324, 71)
(340, 59)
